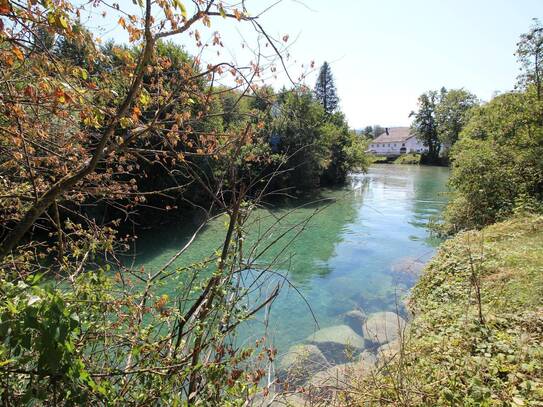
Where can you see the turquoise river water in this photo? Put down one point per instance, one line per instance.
(360, 246)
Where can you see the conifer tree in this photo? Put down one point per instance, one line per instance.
(325, 89)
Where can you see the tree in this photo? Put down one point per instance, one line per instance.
(377, 130)
(452, 114)
(496, 164)
(368, 132)
(325, 89)
(424, 124)
(81, 127)
(530, 56)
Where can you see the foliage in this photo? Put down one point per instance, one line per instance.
(496, 161)
(497, 167)
(452, 114)
(494, 363)
(440, 119)
(91, 135)
(408, 159)
(318, 146)
(424, 125)
(325, 89)
(372, 132)
(530, 56)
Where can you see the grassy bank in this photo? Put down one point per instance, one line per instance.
(476, 338)
(412, 159)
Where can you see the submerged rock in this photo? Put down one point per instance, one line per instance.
(383, 327)
(366, 361)
(355, 319)
(327, 382)
(388, 351)
(337, 376)
(278, 399)
(336, 342)
(300, 362)
(408, 265)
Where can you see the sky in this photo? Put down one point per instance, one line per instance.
(385, 53)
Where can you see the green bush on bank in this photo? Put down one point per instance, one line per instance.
(450, 356)
(412, 159)
(497, 162)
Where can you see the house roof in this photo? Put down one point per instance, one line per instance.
(395, 135)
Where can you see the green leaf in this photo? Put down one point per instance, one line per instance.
(63, 22)
(180, 6)
(145, 99)
(6, 362)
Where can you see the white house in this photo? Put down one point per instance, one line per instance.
(396, 141)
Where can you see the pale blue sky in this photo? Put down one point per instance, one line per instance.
(385, 53)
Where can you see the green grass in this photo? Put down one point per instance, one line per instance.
(449, 357)
(378, 159)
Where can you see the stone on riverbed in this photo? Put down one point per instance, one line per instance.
(336, 342)
(408, 265)
(388, 351)
(301, 361)
(326, 383)
(279, 399)
(383, 327)
(366, 361)
(355, 319)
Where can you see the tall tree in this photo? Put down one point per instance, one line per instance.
(425, 125)
(325, 89)
(452, 114)
(377, 130)
(530, 56)
(368, 132)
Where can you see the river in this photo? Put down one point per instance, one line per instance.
(361, 247)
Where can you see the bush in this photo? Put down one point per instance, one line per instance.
(408, 159)
(496, 161)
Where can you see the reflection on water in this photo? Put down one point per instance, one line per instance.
(361, 248)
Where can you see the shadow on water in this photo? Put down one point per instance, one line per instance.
(361, 248)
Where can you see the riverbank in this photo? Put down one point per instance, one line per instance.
(408, 159)
(457, 353)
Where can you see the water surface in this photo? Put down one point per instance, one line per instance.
(353, 248)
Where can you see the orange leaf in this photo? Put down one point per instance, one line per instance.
(18, 53)
(4, 6)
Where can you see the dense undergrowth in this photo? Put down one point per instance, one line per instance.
(458, 352)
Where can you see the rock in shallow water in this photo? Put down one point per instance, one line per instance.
(408, 265)
(388, 351)
(300, 362)
(340, 334)
(355, 319)
(336, 342)
(383, 327)
(279, 399)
